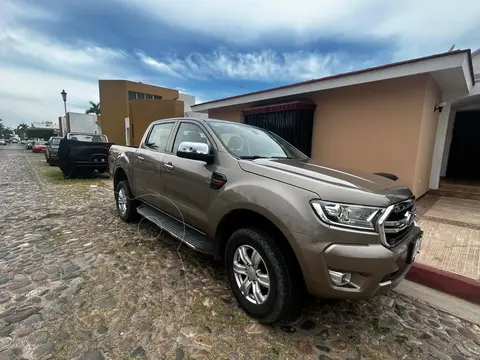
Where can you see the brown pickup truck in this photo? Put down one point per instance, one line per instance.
(281, 223)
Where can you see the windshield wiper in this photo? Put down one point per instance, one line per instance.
(254, 157)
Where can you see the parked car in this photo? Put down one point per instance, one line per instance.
(23, 141)
(3, 142)
(81, 154)
(51, 151)
(29, 144)
(281, 223)
(39, 147)
(14, 141)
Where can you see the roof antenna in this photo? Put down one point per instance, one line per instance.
(451, 49)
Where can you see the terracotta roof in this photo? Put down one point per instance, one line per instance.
(375, 68)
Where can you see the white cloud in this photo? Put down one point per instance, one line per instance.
(267, 65)
(415, 26)
(34, 69)
(28, 95)
(13, 12)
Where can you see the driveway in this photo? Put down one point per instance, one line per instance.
(451, 234)
(77, 283)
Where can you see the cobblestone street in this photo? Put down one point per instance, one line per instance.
(78, 283)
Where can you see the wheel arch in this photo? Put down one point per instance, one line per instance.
(242, 217)
(120, 175)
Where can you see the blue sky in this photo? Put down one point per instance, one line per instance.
(210, 48)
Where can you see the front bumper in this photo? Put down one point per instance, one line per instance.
(372, 266)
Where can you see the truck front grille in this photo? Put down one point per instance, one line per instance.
(396, 222)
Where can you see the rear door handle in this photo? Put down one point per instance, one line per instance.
(168, 166)
(140, 157)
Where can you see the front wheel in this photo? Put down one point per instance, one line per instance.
(126, 205)
(259, 276)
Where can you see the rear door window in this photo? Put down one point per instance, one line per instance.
(158, 137)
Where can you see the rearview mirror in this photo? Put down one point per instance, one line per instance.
(195, 151)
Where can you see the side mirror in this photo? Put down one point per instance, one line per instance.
(195, 151)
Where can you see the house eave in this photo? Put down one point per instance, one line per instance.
(452, 61)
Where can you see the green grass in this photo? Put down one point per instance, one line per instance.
(55, 175)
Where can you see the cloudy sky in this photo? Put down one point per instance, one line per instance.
(207, 48)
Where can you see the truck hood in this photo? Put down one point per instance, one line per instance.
(331, 184)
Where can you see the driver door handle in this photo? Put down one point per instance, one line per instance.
(140, 157)
(168, 165)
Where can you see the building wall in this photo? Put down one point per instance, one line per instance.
(476, 66)
(426, 142)
(188, 101)
(371, 127)
(144, 112)
(233, 113)
(165, 93)
(115, 107)
(386, 126)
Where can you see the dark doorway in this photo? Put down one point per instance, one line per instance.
(292, 121)
(464, 157)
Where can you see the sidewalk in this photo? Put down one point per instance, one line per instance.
(451, 234)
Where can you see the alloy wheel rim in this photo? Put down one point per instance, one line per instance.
(122, 201)
(251, 274)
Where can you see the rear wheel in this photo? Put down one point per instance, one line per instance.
(126, 205)
(259, 276)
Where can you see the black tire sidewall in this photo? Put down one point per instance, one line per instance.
(131, 210)
(275, 301)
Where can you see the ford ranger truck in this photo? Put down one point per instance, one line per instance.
(281, 223)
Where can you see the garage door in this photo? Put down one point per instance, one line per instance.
(292, 121)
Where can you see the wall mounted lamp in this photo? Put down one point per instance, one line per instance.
(439, 106)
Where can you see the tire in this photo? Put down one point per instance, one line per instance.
(284, 292)
(129, 213)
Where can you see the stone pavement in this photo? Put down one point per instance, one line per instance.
(451, 234)
(77, 283)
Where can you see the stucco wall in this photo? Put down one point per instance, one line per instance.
(233, 113)
(115, 107)
(385, 126)
(371, 127)
(144, 112)
(426, 143)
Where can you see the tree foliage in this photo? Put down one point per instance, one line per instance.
(94, 108)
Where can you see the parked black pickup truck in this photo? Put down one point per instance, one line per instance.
(80, 154)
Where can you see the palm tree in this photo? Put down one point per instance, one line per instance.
(94, 108)
(21, 130)
(2, 128)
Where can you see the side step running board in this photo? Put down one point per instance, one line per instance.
(177, 229)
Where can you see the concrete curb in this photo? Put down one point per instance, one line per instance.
(446, 282)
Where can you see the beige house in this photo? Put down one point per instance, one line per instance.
(397, 118)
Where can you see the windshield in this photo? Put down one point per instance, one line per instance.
(88, 138)
(248, 142)
(55, 141)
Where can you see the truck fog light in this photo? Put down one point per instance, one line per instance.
(340, 278)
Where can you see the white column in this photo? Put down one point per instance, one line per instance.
(440, 138)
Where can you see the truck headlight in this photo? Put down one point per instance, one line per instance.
(346, 215)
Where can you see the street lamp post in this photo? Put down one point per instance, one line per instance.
(64, 97)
